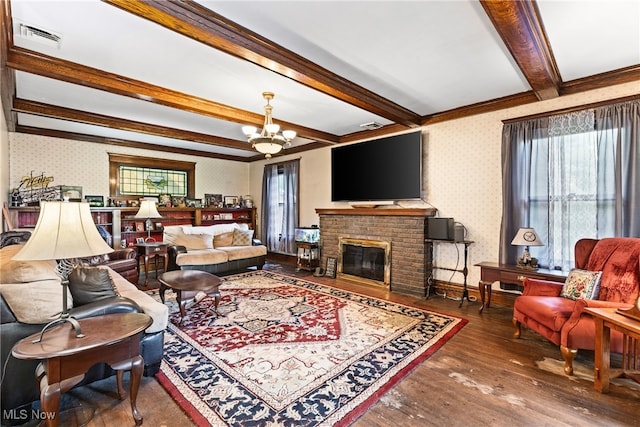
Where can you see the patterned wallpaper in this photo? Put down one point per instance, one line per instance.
(461, 172)
(87, 165)
(462, 176)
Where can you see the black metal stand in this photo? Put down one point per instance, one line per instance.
(429, 266)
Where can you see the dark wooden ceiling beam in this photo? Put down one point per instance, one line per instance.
(8, 81)
(125, 143)
(521, 30)
(48, 66)
(199, 23)
(62, 113)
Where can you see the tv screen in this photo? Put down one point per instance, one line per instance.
(386, 169)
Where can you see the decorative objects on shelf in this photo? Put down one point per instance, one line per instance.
(148, 210)
(268, 141)
(65, 232)
(527, 236)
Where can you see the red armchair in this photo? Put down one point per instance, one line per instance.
(563, 320)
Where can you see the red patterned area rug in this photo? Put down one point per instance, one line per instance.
(283, 351)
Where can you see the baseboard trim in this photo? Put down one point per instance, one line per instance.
(498, 297)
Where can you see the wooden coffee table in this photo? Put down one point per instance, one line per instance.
(113, 339)
(187, 284)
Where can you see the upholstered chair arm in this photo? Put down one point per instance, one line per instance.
(116, 304)
(578, 313)
(539, 287)
(174, 251)
(126, 253)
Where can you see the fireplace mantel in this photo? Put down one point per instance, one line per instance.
(378, 211)
(404, 228)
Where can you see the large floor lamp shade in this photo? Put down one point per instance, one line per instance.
(65, 232)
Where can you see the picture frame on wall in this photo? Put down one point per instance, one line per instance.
(230, 201)
(193, 203)
(178, 202)
(164, 200)
(95, 201)
(213, 200)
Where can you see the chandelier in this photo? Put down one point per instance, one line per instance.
(268, 141)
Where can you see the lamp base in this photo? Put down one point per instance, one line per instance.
(74, 324)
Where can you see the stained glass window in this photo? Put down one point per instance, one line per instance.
(151, 181)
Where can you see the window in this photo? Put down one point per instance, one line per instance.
(571, 176)
(146, 176)
(280, 210)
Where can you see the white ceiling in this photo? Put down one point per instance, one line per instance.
(427, 56)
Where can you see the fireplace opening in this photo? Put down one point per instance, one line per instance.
(365, 260)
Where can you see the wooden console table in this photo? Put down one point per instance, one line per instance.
(113, 339)
(607, 319)
(493, 272)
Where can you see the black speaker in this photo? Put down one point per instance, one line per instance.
(440, 228)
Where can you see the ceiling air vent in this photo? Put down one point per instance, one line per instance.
(38, 35)
(371, 126)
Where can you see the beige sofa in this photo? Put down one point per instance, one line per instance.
(216, 248)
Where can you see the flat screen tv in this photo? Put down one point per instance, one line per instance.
(385, 169)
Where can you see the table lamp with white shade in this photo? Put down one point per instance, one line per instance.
(527, 236)
(65, 232)
(147, 211)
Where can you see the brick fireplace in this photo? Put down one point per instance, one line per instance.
(402, 228)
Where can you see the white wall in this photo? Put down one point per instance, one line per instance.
(462, 176)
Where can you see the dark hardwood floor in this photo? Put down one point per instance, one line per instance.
(482, 376)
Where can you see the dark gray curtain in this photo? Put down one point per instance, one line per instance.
(518, 145)
(530, 171)
(280, 209)
(618, 135)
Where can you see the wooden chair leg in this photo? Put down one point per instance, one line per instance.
(568, 354)
(518, 331)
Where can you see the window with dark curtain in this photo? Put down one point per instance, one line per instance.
(280, 211)
(571, 176)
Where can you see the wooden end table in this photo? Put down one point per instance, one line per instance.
(493, 272)
(146, 251)
(605, 320)
(113, 339)
(187, 284)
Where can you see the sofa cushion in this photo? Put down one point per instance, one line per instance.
(159, 312)
(24, 271)
(35, 302)
(195, 241)
(223, 239)
(88, 284)
(202, 257)
(581, 284)
(242, 252)
(242, 237)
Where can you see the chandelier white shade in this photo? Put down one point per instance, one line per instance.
(268, 141)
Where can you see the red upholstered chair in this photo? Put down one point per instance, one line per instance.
(563, 320)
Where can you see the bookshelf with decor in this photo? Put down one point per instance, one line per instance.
(121, 224)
